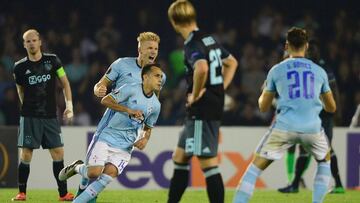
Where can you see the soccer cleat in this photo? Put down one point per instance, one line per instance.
(289, 189)
(69, 170)
(79, 192)
(68, 197)
(302, 183)
(338, 190)
(19, 197)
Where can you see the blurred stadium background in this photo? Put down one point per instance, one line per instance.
(89, 35)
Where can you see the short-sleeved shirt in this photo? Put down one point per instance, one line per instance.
(38, 78)
(114, 123)
(126, 71)
(201, 46)
(299, 83)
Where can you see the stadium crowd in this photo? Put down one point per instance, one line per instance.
(88, 37)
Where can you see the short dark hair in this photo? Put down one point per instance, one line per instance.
(147, 68)
(297, 37)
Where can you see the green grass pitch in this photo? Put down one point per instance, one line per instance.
(190, 196)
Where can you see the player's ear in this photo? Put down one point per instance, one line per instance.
(286, 46)
(306, 46)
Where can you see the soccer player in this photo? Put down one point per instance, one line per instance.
(209, 70)
(35, 77)
(128, 69)
(132, 111)
(327, 122)
(303, 90)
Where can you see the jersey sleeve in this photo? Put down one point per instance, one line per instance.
(122, 93)
(18, 77)
(194, 52)
(114, 71)
(60, 72)
(152, 118)
(224, 52)
(325, 87)
(57, 63)
(270, 81)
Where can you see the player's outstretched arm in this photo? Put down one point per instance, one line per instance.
(265, 100)
(229, 67)
(100, 88)
(329, 102)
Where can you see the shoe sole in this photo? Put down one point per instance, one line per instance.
(64, 173)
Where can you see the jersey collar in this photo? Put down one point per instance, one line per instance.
(191, 35)
(142, 87)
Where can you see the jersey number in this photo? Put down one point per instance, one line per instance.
(215, 67)
(302, 83)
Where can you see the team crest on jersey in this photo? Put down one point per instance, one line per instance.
(47, 65)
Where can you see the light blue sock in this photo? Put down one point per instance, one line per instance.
(321, 183)
(82, 170)
(94, 189)
(83, 183)
(247, 184)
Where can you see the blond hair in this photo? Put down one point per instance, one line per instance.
(31, 31)
(182, 12)
(148, 36)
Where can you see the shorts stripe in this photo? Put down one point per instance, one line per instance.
(111, 114)
(197, 137)
(265, 139)
(97, 134)
(91, 147)
(21, 132)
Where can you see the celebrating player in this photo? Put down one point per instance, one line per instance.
(303, 89)
(132, 111)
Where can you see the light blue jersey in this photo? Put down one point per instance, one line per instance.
(118, 129)
(299, 83)
(126, 71)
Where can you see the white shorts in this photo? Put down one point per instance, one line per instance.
(276, 142)
(100, 153)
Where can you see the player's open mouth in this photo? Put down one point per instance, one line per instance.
(151, 58)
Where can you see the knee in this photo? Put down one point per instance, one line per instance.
(111, 170)
(325, 159)
(94, 173)
(57, 153)
(179, 156)
(26, 155)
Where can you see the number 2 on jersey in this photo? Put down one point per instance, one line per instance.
(215, 64)
(303, 84)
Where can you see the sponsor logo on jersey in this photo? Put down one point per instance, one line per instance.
(33, 80)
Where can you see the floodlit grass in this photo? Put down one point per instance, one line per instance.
(190, 196)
